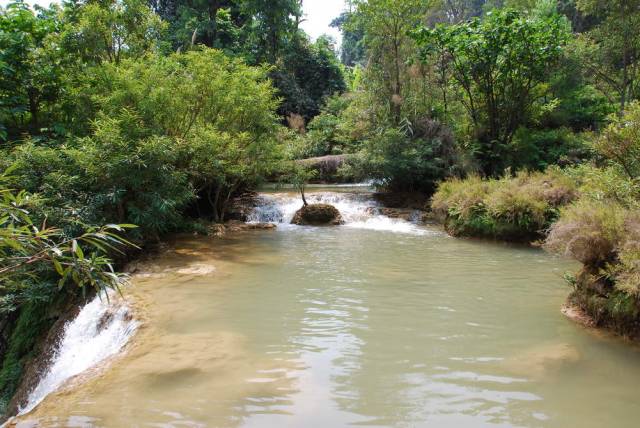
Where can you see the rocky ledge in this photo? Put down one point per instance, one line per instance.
(233, 226)
(317, 215)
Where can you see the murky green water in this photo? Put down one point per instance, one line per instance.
(308, 327)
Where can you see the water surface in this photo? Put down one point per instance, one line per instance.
(376, 323)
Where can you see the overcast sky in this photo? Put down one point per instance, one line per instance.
(318, 15)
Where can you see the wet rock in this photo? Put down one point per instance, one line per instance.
(317, 215)
(406, 214)
(231, 226)
(242, 206)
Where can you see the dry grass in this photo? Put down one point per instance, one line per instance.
(589, 232)
(517, 208)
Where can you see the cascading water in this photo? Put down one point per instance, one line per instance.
(359, 210)
(100, 330)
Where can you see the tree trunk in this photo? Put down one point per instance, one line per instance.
(396, 101)
(212, 33)
(34, 110)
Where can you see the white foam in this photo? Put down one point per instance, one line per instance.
(100, 330)
(385, 223)
(359, 210)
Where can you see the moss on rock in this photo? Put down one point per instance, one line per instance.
(317, 215)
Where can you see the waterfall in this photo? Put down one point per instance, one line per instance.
(359, 210)
(100, 330)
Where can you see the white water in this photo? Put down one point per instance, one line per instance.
(100, 330)
(358, 210)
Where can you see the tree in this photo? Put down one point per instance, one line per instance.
(110, 30)
(29, 66)
(306, 75)
(620, 141)
(352, 51)
(612, 48)
(500, 65)
(274, 24)
(386, 24)
(216, 23)
(165, 117)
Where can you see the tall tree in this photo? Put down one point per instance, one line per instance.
(110, 30)
(612, 48)
(352, 51)
(500, 65)
(29, 66)
(386, 24)
(274, 24)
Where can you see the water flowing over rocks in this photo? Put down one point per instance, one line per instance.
(358, 209)
(101, 329)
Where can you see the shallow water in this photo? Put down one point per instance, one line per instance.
(383, 324)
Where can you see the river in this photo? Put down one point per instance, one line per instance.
(379, 322)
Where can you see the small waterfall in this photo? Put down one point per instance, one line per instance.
(359, 210)
(100, 330)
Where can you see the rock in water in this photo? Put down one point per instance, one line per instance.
(317, 215)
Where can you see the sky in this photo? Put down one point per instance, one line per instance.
(318, 15)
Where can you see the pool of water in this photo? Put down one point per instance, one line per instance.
(379, 322)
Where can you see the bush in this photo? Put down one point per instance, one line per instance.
(519, 208)
(620, 141)
(590, 232)
(539, 149)
(412, 158)
(605, 238)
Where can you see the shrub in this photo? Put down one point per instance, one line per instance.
(412, 158)
(518, 208)
(538, 149)
(589, 232)
(620, 141)
(605, 238)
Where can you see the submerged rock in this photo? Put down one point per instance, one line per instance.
(232, 226)
(317, 215)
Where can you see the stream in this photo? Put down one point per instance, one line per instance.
(379, 322)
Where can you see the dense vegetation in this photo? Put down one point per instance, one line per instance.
(157, 113)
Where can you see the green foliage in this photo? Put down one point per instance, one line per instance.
(352, 50)
(327, 133)
(386, 24)
(29, 252)
(608, 185)
(589, 232)
(306, 75)
(30, 325)
(111, 30)
(299, 175)
(602, 230)
(610, 49)
(620, 141)
(605, 239)
(519, 208)
(534, 149)
(414, 158)
(29, 69)
(500, 64)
